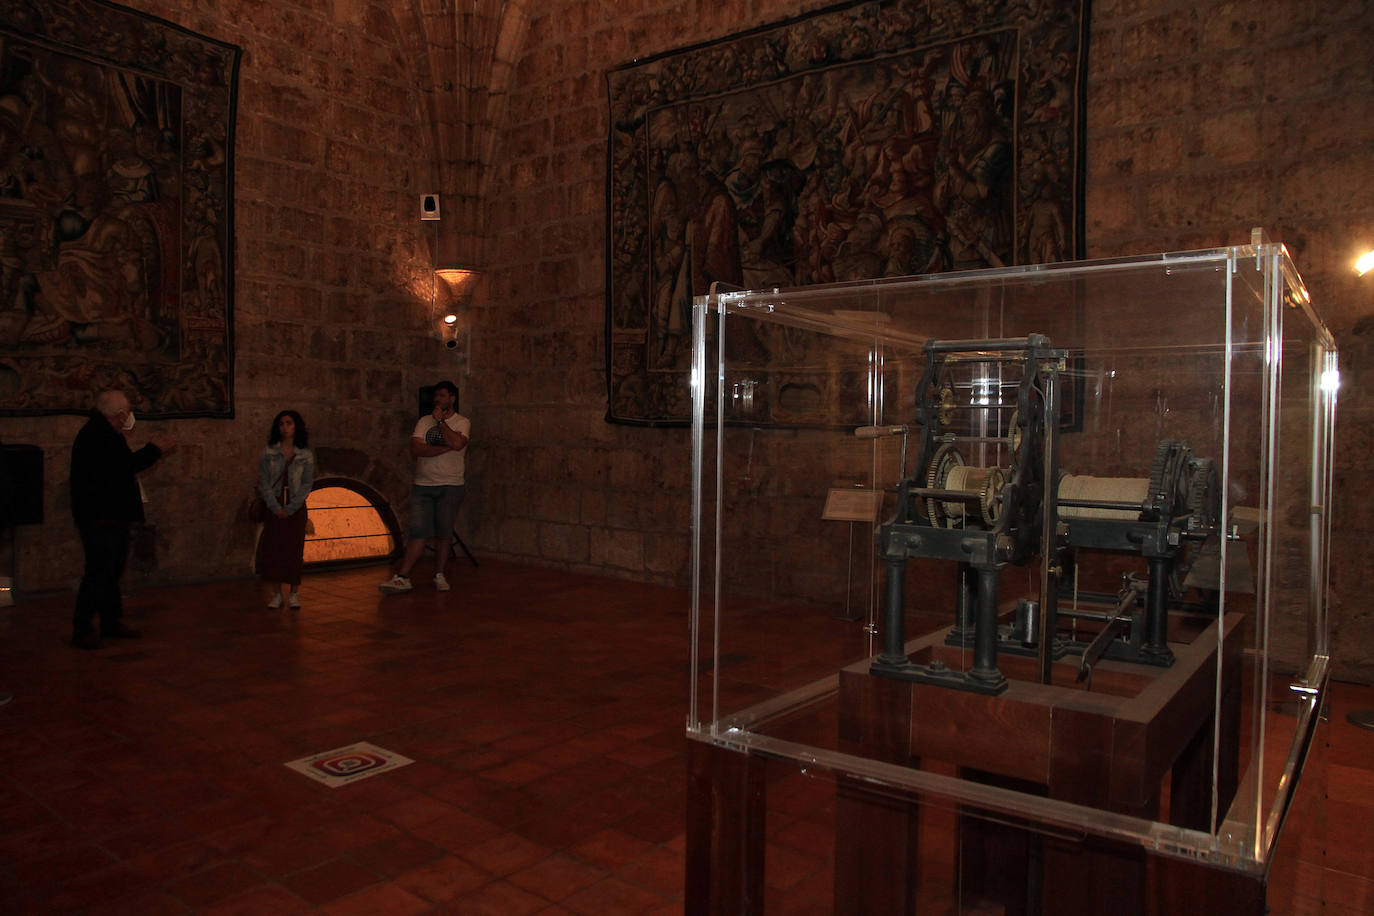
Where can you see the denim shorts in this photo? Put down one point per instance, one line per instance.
(433, 510)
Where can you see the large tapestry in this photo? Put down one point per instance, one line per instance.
(874, 139)
(116, 195)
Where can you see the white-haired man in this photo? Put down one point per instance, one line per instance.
(106, 501)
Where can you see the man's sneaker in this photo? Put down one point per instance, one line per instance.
(294, 602)
(274, 603)
(440, 583)
(395, 585)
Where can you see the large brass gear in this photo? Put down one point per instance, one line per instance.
(947, 406)
(946, 458)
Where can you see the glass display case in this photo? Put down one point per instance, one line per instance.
(1037, 553)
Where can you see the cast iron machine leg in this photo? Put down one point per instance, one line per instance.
(985, 630)
(894, 614)
(1157, 610)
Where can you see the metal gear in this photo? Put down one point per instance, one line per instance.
(1168, 493)
(1204, 495)
(1014, 433)
(990, 497)
(946, 457)
(947, 405)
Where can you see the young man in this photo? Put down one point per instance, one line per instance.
(439, 443)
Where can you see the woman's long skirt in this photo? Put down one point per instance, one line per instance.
(281, 547)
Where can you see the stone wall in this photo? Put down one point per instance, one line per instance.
(1204, 119)
(335, 298)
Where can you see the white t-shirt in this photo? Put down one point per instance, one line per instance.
(444, 470)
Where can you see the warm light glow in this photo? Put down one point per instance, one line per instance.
(1365, 264)
(1331, 380)
(460, 280)
(347, 527)
(450, 318)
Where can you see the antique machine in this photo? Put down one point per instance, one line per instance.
(986, 491)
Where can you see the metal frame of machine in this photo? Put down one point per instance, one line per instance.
(999, 399)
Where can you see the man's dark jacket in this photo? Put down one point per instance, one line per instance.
(103, 469)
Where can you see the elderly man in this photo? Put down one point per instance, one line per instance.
(106, 500)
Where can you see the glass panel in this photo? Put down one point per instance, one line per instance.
(1050, 541)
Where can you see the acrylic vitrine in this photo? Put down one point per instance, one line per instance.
(1008, 586)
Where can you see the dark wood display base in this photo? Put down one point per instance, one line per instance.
(1112, 748)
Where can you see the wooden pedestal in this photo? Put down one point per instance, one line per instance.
(1110, 748)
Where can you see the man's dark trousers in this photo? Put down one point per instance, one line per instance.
(107, 550)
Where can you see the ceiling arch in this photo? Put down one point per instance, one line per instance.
(465, 53)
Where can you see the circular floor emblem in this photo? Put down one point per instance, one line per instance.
(349, 764)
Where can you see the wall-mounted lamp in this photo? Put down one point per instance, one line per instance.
(459, 280)
(1365, 263)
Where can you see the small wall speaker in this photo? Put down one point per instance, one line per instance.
(429, 206)
(24, 467)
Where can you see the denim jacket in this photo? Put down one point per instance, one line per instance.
(299, 480)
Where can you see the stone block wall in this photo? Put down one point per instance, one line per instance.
(1203, 120)
(335, 297)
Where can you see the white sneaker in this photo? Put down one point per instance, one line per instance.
(440, 583)
(294, 602)
(274, 603)
(395, 585)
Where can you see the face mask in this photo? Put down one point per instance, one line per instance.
(128, 422)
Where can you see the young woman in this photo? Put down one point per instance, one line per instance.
(286, 472)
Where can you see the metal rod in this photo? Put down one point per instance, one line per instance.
(1106, 616)
(979, 346)
(965, 604)
(1098, 647)
(991, 440)
(894, 630)
(1049, 553)
(1100, 504)
(935, 493)
(1156, 607)
(349, 537)
(1088, 615)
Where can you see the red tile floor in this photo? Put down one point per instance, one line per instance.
(544, 712)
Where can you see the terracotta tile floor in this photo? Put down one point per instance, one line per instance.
(544, 712)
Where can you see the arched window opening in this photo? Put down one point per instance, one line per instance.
(352, 524)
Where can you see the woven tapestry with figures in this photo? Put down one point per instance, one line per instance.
(116, 194)
(869, 140)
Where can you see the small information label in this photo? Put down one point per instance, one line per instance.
(855, 504)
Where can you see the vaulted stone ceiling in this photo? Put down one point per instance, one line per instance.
(467, 50)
